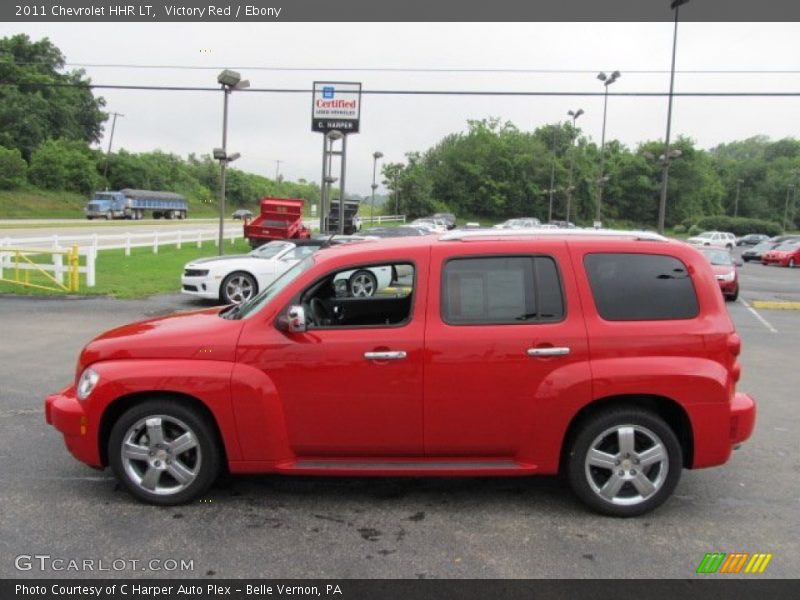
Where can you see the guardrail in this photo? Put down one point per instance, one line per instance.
(128, 240)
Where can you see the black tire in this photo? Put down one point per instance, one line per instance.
(791, 263)
(362, 284)
(245, 282)
(734, 296)
(205, 454)
(666, 473)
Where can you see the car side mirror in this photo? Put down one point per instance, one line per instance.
(294, 321)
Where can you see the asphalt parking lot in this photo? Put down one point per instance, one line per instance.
(299, 527)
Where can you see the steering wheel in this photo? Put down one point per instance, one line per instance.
(318, 311)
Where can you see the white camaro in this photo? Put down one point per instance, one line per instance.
(236, 279)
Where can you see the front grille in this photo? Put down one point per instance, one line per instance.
(190, 288)
(195, 272)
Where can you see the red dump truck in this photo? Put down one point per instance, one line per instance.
(280, 219)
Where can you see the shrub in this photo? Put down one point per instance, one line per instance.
(738, 225)
(13, 168)
(679, 229)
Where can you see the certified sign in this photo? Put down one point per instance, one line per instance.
(336, 105)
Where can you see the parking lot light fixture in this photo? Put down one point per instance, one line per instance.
(662, 205)
(375, 156)
(607, 81)
(229, 80)
(574, 114)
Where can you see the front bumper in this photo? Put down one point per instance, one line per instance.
(65, 412)
(728, 287)
(201, 287)
(743, 418)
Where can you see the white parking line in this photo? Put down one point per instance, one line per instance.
(764, 322)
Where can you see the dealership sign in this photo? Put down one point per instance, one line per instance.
(336, 105)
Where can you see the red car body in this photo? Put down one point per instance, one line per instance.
(725, 272)
(785, 255)
(466, 401)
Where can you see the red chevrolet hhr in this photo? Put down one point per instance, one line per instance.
(608, 356)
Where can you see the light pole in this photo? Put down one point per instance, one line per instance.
(552, 178)
(574, 114)
(229, 80)
(110, 141)
(789, 192)
(607, 81)
(375, 156)
(739, 182)
(277, 169)
(662, 205)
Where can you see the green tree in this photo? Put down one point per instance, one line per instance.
(13, 168)
(39, 101)
(65, 165)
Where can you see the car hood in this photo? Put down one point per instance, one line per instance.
(202, 335)
(722, 269)
(211, 259)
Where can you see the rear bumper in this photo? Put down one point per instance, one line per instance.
(65, 412)
(743, 418)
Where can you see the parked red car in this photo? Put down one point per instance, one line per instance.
(785, 255)
(724, 267)
(608, 356)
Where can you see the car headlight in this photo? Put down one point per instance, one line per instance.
(195, 272)
(728, 277)
(86, 383)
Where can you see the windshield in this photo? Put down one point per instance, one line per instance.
(718, 257)
(270, 250)
(260, 301)
(103, 196)
(788, 246)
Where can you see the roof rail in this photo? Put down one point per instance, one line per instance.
(534, 232)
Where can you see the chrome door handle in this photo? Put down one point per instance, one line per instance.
(389, 355)
(548, 351)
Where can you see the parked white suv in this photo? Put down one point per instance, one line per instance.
(718, 239)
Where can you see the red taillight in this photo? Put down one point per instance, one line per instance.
(734, 344)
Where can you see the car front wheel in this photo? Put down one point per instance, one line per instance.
(363, 284)
(163, 452)
(237, 288)
(624, 462)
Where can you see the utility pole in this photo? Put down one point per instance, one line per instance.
(110, 141)
(277, 169)
(739, 183)
(552, 178)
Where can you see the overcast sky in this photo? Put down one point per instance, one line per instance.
(270, 127)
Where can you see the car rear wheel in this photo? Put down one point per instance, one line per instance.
(363, 284)
(237, 288)
(624, 462)
(163, 452)
(791, 263)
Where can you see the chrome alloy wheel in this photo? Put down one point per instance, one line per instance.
(161, 455)
(239, 288)
(363, 284)
(626, 465)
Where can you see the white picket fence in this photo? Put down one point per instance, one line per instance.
(9, 262)
(383, 219)
(88, 246)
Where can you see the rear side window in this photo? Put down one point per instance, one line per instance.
(641, 287)
(501, 290)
